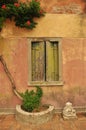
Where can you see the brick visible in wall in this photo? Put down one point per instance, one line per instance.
(71, 8)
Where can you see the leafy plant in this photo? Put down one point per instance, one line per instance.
(31, 99)
(22, 14)
(7, 2)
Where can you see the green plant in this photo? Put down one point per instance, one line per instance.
(22, 14)
(31, 99)
(7, 2)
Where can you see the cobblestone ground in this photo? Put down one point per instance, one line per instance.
(8, 122)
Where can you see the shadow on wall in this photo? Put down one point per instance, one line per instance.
(75, 95)
(85, 5)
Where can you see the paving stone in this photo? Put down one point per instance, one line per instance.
(2, 117)
(81, 125)
(10, 117)
(57, 123)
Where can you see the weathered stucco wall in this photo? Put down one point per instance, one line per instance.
(15, 53)
(65, 19)
(63, 6)
(74, 73)
(57, 25)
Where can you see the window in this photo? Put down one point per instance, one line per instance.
(44, 62)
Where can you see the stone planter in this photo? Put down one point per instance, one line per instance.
(34, 118)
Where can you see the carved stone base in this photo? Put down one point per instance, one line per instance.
(69, 112)
(69, 117)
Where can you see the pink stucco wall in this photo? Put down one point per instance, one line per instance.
(15, 53)
(62, 20)
(74, 61)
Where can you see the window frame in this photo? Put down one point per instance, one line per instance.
(44, 83)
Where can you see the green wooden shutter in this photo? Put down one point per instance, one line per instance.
(37, 61)
(52, 61)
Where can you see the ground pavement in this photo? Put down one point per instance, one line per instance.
(8, 122)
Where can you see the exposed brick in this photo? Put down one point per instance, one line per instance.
(71, 8)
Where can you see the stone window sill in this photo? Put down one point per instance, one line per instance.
(41, 83)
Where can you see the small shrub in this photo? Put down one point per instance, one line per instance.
(31, 99)
(7, 2)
